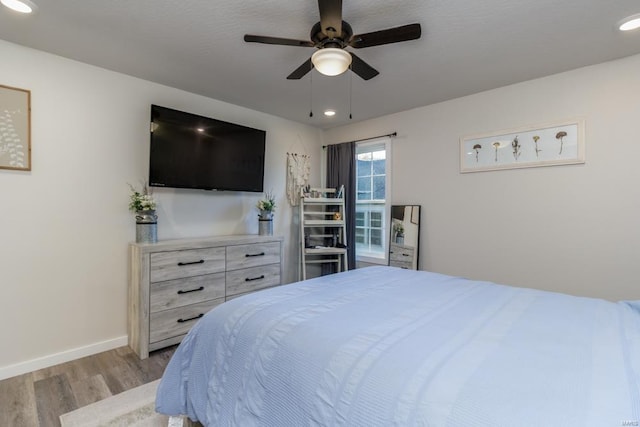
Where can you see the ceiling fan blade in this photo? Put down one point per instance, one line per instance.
(331, 17)
(392, 35)
(301, 70)
(277, 40)
(361, 68)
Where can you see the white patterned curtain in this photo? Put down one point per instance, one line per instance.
(298, 171)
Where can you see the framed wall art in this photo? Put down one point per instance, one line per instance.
(15, 128)
(550, 144)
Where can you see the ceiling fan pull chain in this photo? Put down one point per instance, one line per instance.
(350, 90)
(311, 93)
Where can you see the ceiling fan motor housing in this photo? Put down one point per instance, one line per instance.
(321, 40)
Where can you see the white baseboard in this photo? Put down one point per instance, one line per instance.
(62, 357)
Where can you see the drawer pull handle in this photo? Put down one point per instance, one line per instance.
(201, 288)
(182, 264)
(251, 255)
(253, 278)
(191, 318)
(405, 254)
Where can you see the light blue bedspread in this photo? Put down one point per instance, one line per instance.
(382, 346)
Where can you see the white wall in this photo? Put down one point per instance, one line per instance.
(572, 229)
(64, 226)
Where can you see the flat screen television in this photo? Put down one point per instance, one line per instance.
(191, 151)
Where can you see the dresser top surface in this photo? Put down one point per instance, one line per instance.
(204, 242)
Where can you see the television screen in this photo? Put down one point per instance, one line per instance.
(191, 151)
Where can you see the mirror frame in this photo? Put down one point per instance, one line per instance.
(403, 253)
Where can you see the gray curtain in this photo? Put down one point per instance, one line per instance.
(341, 169)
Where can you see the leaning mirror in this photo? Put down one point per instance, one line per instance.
(405, 236)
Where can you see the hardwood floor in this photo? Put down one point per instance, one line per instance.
(39, 398)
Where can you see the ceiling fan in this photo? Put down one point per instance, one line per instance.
(331, 36)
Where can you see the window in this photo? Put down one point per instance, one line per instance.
(372, 188)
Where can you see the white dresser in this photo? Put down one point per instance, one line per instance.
(402, 256)
(173, 283)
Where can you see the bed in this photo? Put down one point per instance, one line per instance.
(383, 346)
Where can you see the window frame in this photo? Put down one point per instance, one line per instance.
(367, 146)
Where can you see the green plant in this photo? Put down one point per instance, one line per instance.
(267, 204)
(141, 200)
(398, 228)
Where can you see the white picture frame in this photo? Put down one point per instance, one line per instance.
(549, 144)
(15, 128)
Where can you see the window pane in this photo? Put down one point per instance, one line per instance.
(379, 187)
(364, 156)
(362, 236)
(363, 165)
(364, 195)
(361, 169)
(359, 219)
(364, 184)
(376, 238)
(364, 188)
(379, 166)
(376, 219)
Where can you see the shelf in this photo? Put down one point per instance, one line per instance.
(322, 201)
(324, 251)
(322, 261)
(323, 222)
(318, 219)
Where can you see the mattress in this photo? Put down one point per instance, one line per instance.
(383, 346)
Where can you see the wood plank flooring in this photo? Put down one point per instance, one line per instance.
(37, 399)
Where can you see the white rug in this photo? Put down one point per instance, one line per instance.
(132, 408)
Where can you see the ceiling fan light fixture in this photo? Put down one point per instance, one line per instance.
(331, 61)
(22, 6)
(629, 23)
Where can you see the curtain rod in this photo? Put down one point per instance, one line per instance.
(366, 139)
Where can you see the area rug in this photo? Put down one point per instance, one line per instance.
(132, 408)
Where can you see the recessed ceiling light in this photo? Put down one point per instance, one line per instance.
(629, 23)
(329, 113)
(22, 6)
(200, 130)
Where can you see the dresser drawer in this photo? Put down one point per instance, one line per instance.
(406, 264)
(400, 253)
(171, 323)
(243, 256)
(186, 263)
(181, 292)
(252, 279)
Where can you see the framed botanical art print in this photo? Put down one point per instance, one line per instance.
(15, 128)
(559, 143)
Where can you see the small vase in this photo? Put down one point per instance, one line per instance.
(265, 223)
(400, 239)
(266, 214)
(146, 226)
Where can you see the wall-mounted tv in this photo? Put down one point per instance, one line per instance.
(191, 151)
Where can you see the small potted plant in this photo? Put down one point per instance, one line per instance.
(141, 200)
(144, 205)
(398, 229)
(267, 206)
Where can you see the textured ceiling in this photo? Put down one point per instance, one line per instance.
(197, 45)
